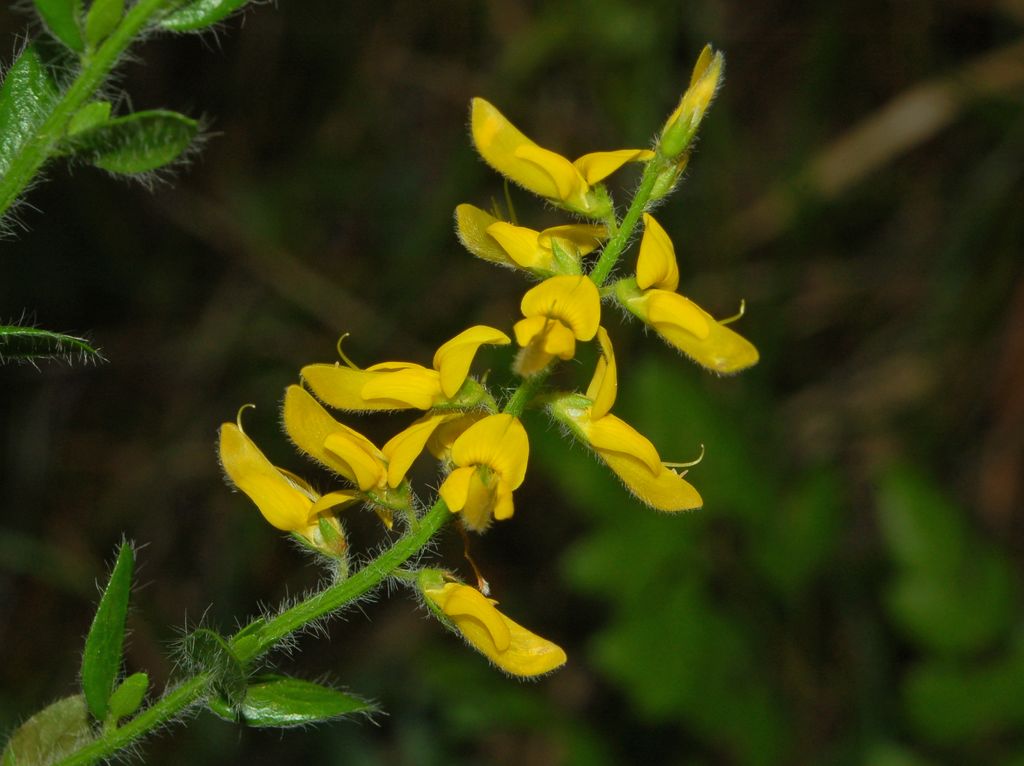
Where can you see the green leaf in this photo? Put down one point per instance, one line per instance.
(952, 593)
(279, 701)
(135, 143)
(62, 20)
(101, 660)
(27, 96)
(50, 734)
(128, 696)
(89, 116)
(208, 651)
(200, 14)
(102, 19)
(30, 344)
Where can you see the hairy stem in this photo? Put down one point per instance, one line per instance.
(96, 67)
(610, 255)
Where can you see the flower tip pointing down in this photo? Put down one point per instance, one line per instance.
(506, 643)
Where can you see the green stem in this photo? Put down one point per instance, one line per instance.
(95, 69)
(268, 635)
(522, 396)
(612, 251)
(157, 714)
(333, 598)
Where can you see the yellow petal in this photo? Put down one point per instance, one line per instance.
(604, 385)
(497, 441)
(455, 488)
(414, 386)
(351, 457)
(597, 166)
(334, 499)
(558, 340)
(472, 224)
(656, 266)
(527, 329)
(583, 238)
(451, 428)
(454, 358)
(511, 647)
(503, 507)
(667, 491)
(478, 511)
(308, 424)
(503, 147)
(574, 300)
(568, 182)
(384, 386)
(614, 435)
(463, 601)
(522, 246)
(283, 504)
(693, 331)
(403, 448)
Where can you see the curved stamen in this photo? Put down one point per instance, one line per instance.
(689, 464)
(342, 354)
(238, 417)
(730, 320)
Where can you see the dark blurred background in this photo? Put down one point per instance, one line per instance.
(850, 594)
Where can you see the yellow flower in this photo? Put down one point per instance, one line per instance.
(490, 458)
(349, 453)
(567, 184)
(624, 449)
(403, 385)
(504, 642)
(559, 311)
(682, 323)
(285, 500)
(682, 124)
(557, 250)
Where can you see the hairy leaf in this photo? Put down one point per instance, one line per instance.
(49, 735)
(135, 143)
(279, 701)
(102, 19)
(31, 344)
(27, 96)
(101, 660)
(89, 116)
(62, 20)
(128, 696)
(200, 14)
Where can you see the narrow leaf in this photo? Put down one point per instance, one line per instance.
(89, 116)
(102, 19)
(31, 344)
(200, 14)
(135, 143)
(28, 94)
(62, 20)
(128, 696)
(279, 701)
(49, 735)
(101, 660)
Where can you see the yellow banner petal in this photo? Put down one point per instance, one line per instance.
(597, 166)
(656, 266)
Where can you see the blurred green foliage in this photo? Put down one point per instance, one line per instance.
(850, 593)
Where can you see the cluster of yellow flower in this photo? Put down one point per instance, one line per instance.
(482, 447)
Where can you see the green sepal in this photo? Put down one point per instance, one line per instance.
(101, 660)
(26, 98)
(31, 344)
(568, 263)
(49, 735)
(280, 702)
(102, 19)
(135, 143)
(207, 650)
(63, 19)
(127, 698)
(200, 14)
(89, 116)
